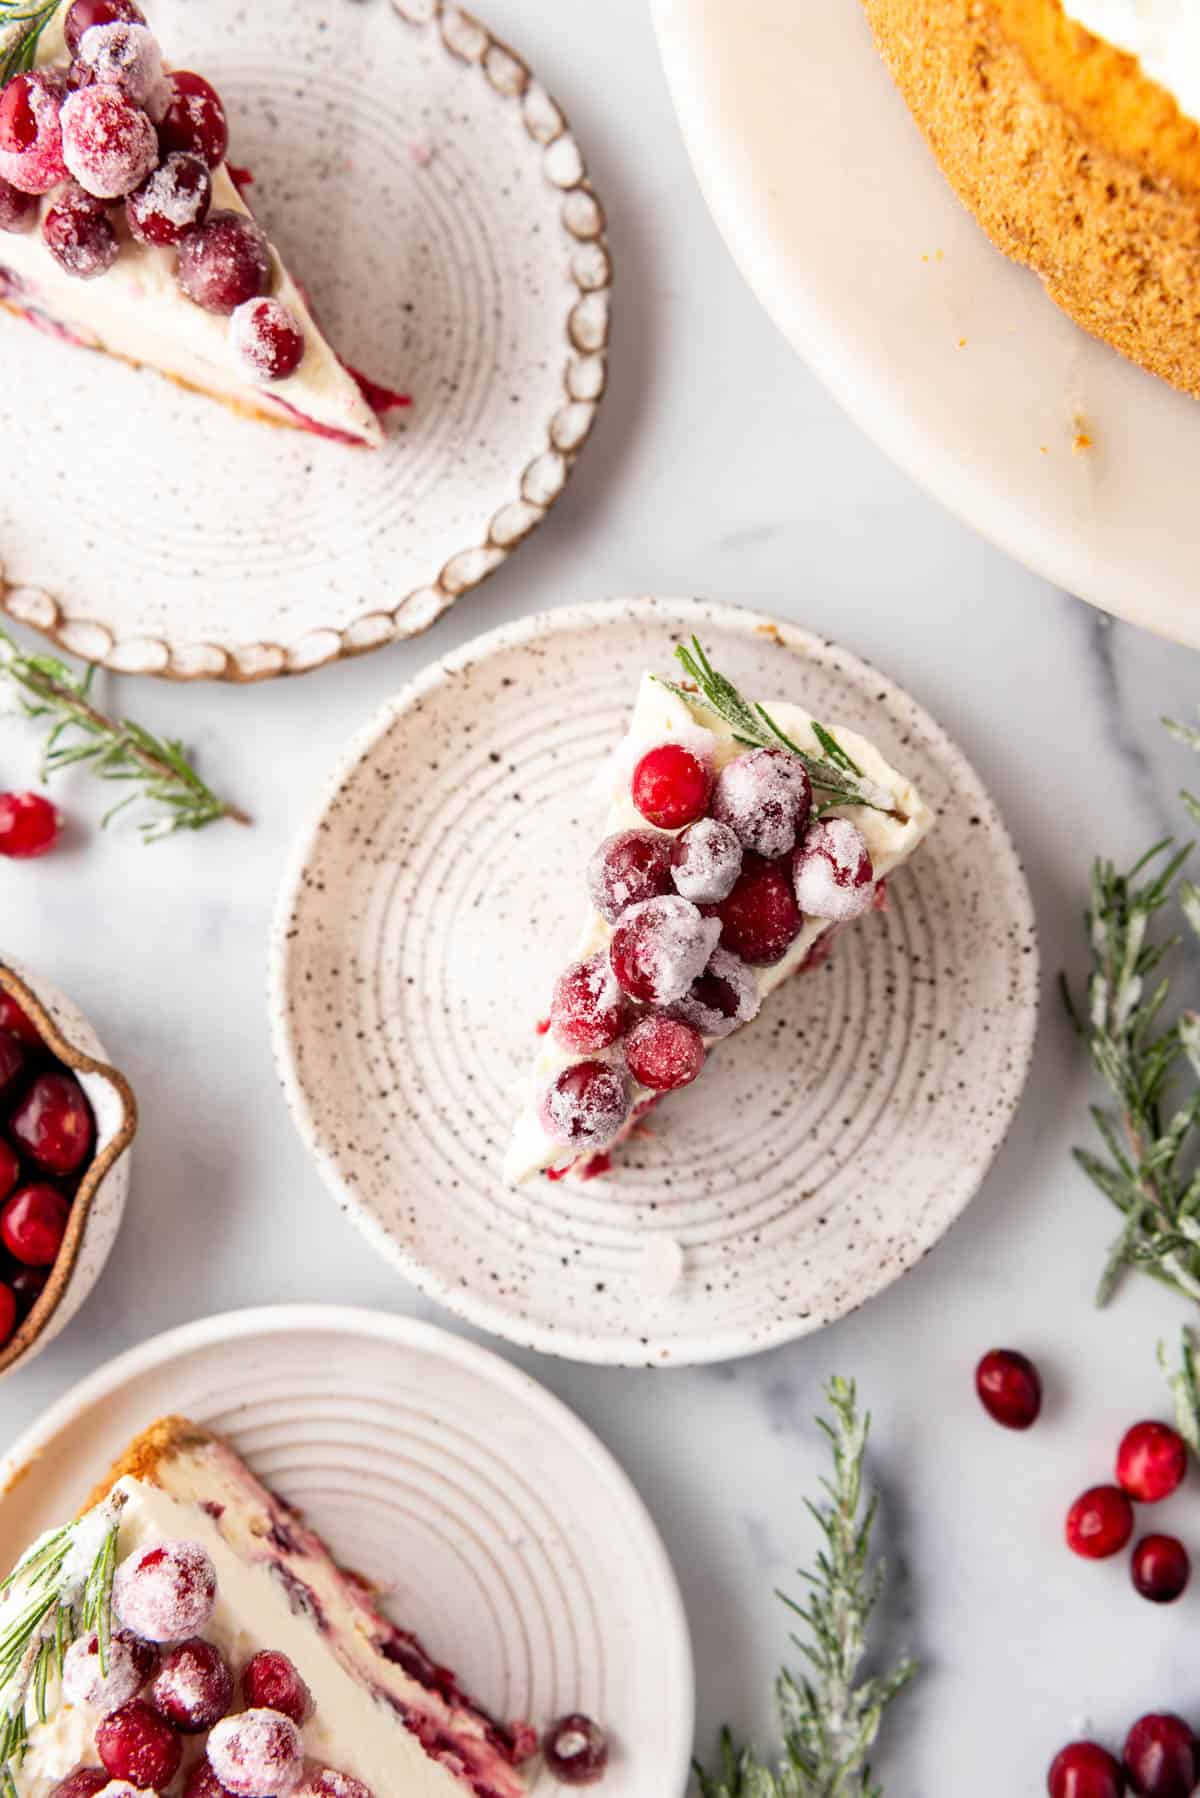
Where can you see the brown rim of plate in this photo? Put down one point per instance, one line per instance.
(50, 1297)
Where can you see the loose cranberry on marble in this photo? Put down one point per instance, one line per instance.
(706, 860)
(9, 1312)
(664, 1053)
(80, 236)
(1085, 1770)
(834, 877)
(576, 1750)
(53, 1124)
(671, 785)
(85, 1782)
(588, 1010)
(136, 1744)
(584, 1106)
(270, 1682)
(193, 1688)
(17, 1023)
(31, 149)
(628, 868)
(194, 120)
(224, 262)
(660, 947)
(109, 143)
(257, 1752)
(760, 919)
(29, 822)
(84, 14)
(27, 1285)
(128, 1665)
(1099, 1523)
(33, 1223)
(1160, 1757)
(1160, 1568)
(125, 56)
(12, 1064)
(725, 996)
(1151, 1461)
(766, 797)
(1009, 1388)
(174, 199)
(166, 1592)
(268, 338)
(10, 1167)
(18, 211)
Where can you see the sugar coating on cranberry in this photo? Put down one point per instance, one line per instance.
(670, 785)
(664, 1053)
(268, 338)
(29, 822)
(85, 1782)
(84, 14)
(224, 262)
(706, 861)
(53, 1124)
(202, 1782)
(31, 149)
(136, 1744)
(576, 1750)
(722, 998)
(584, 1106)
(1099, 1523)
(256, 1754)
(166, 1591)
(109, 144)
(129, 1663)
(588, 1009)
(173, 199)
(18, 211)
(125, 1788)
(325, 1782)
(833, 872)
(765, 796)
(760, 919)
(1085, 1770)
(193, 1688)
(628, 868)
(195, 119)
(1160, 1757)
(124, 55)
(271, 1682)
(1151, 1461)
(660, 947)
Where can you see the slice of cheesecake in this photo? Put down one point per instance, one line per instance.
(739, 838)
(122, 228)
(239, 1659)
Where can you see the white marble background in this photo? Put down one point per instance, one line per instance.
(719, 467)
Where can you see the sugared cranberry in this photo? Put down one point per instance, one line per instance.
(129, 1664)
(1151, 1461)
(173, 199)
(31, 148)
(588, 1008)
(124, 56)
(670, 786)
(725, 996)
(85, 1782)
(29, 823)
(9, 1312)
(255, 1753)
(268, 338)
(627, 869)
(663, 1052)
(17, 1022)
(84, 14)
(584, 1106)
(18, 211)
(760, 919)
(1161, 1568)
(706, 861)
(194, 120)
(202, 1782)
(1160, 1757)
(1099, 1523)
(109, 143)
(833, 872)
(53, 1124)
(136, 1744)
(80, 236)
(765, 796)
(166, 1591)
(12, 1063)
(10, 1169)
(1085, 1770)
(576, 1750)
(27, 1285)
(324, 1782)
(1009, 1388)
(193, 1688)
(33, 1223)
(270, 1682)
(224, 262)
(660, 947)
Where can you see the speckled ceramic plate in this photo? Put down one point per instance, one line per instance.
(492, 1520)
(825, 1148)
(430, 194)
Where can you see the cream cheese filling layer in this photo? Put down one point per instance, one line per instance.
(1164, 35)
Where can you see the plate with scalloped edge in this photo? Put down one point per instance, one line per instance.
(438, 891)
(442, 219)
(490, 1518)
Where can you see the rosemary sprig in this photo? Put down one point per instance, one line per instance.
(1184, 1381)
(22, 23)
(828, 1721)
(836, 775)
(116, 749)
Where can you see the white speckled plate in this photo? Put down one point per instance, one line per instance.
(495, 1523)
(430, 195)
(824, 1149)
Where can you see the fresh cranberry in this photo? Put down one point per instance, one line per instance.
(664, 1053)
(1160, 1757)
(29, 824)
(268, 338)
(585, 1105)
(136, 1744)
(194, 120)
(109, 143)
(670, 786)
(10, 1169)
(86, 13)
(627, 869)
(1085, 1770)
(173, 199)
(833, 872)
(270, 1682)
(1099, 1523)
(1009, 1388)
(760, 919)
(31, 148)
(53, 1124)
(27, 1285)
(193, 1688)
(588, 1008)
(659, 948)
(9, 1312)
(766, 797)
(33, 1223)
(128, 1665)
(166, 1592)
(18, 211)
(12, 1065)
(1161, 1568)
(224, 262)
(576, 1750)
(706, 861)
(125, 56)
(257, 1751)
(202, 1782)
(725, 996)
(85, 1782)
(80, 236)
(18, 1023)
(1151, 1461)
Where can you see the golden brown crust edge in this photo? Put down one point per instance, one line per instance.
(141, 1459)
(1118, 247)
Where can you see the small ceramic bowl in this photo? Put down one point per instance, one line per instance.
(100, 1199)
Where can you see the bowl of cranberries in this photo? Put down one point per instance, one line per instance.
(66, 1122)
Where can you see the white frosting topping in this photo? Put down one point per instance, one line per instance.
(1164, 35)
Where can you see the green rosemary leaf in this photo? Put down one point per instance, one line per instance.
(22, 23)
(835, 752)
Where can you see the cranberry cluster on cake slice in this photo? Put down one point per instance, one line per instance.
(189, 1635)
(740, 837)
(122, 228)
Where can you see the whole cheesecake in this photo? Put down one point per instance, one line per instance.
(1071, 132)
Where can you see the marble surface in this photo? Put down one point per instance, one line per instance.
(721, 467)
